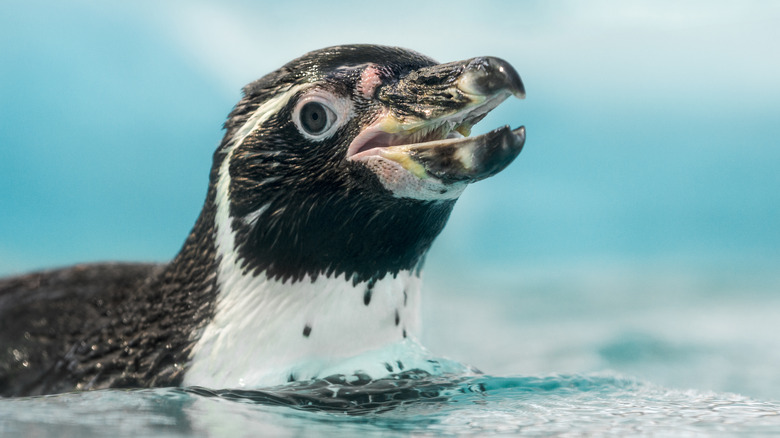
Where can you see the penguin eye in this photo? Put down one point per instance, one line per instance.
(318, 114)
(316, 118)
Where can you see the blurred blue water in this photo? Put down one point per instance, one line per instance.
(637, 232)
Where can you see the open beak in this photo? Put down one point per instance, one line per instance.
(429, 116)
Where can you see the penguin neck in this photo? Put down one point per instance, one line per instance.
(267, 331)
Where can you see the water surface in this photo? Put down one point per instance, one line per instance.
(528, 406)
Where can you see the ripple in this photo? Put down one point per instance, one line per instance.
(413, 402)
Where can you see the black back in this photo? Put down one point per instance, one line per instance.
(106, 325)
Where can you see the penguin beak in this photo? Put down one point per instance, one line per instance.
(428, 119)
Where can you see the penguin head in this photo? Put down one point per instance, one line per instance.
(348, 160)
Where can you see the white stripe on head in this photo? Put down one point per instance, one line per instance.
(226, 245)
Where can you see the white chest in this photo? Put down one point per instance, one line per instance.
(267, 333)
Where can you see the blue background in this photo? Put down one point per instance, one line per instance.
(650, 177)
(652, 127)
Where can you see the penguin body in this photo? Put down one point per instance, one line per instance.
(335, 175)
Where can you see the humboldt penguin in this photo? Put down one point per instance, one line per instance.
(335, 174)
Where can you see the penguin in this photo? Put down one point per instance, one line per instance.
(335, 174)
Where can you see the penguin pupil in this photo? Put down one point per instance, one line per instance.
(314, 118)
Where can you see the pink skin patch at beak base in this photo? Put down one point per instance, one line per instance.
(369, 80)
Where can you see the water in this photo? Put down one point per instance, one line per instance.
(529, 406)
(577, 350)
